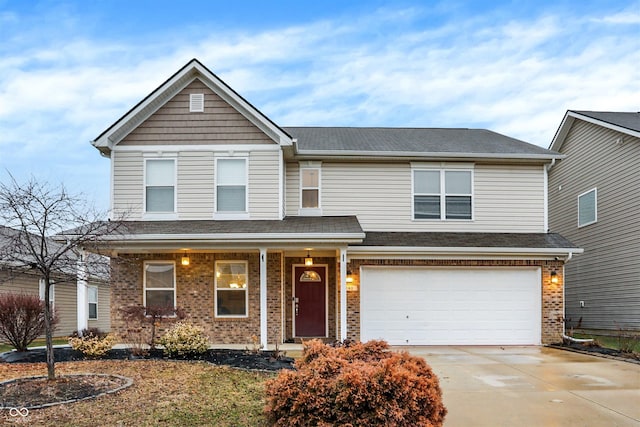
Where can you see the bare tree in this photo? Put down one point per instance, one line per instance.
(46, 229)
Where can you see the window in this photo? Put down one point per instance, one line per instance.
(310, 188)
(196, 102)
(231, 185)
(231, 284)
(442, 194)
(588, 207)
(92, 297)
(159, 284)
(160, 185)
(41, 286)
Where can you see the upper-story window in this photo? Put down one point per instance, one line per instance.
(310, 188)
(588, 207)
(442, 194)
(231, 185)
(160, 176)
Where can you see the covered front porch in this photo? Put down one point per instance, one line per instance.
(282, 283)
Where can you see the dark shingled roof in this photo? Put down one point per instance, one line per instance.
(628, 120)
(290, 225)
(413, 140)
(466, 240)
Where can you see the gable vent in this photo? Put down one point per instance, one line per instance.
(196, 102)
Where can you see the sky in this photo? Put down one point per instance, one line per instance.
(69, 69)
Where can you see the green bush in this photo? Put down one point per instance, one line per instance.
(184, 339)
(356, 385)
(92, 343)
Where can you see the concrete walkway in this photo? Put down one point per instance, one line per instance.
(533, 386)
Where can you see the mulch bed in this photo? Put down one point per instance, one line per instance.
(38, 392)
(244, 359)
(599, 351)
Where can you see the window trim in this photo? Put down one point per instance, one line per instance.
(443, 194)
(595, 207)
(163, 214)
(89, 302)
(215, 289)
(144, 281)
(232, 214)
(52, 292)
(318, 209)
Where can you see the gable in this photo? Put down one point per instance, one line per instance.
(193, 71)
(174, 123)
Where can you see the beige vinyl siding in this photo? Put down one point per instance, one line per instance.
(292, 189)
(128, 184)
(195, 185)
(264, 178)
(607, 275)
(66, 306)
(174, 124)
(507, 198)
(103, 322)
(64, 298)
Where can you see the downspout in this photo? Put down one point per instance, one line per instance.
(566, 337)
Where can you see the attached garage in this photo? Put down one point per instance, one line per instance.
(451, 306)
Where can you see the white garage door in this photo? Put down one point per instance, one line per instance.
(433, 306)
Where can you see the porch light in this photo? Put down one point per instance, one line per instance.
(308, 260)
(185, 259)
(349, 277)
(554, 278)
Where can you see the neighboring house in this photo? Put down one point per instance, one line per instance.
(416, 236)
(594, 200)
(91, 310)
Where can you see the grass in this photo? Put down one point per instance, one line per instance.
(613, 342)
(37, 343)
(164, 393)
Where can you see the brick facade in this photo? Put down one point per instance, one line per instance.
(195, 293)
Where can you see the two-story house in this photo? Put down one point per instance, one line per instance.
(594, 199)
(415, 236)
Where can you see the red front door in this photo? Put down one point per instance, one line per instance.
(310, 304)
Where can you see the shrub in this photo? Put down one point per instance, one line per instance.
(22, 319)
(142, 324)
(353, 385)
(184, 339)
(92, 343)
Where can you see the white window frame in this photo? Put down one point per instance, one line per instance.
(595, 207)
(52, 292)
(442, 194)
(245, 290)
(144, 281)
(196, 103)
(232, 214)
(318, 209)
(161, 214)
(89, 302)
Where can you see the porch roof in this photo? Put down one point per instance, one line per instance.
(548, 244)
(210, 234)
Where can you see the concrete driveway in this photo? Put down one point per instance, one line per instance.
(533, 386)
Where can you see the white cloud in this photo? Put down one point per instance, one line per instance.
(388, 68)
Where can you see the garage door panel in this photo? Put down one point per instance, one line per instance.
(423, 306)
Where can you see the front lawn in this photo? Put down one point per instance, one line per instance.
(164, 393)
(40, 342)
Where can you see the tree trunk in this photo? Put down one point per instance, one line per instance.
(51, 369)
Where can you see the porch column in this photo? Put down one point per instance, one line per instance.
(263, 298)
(82, 303)
(343, 294)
